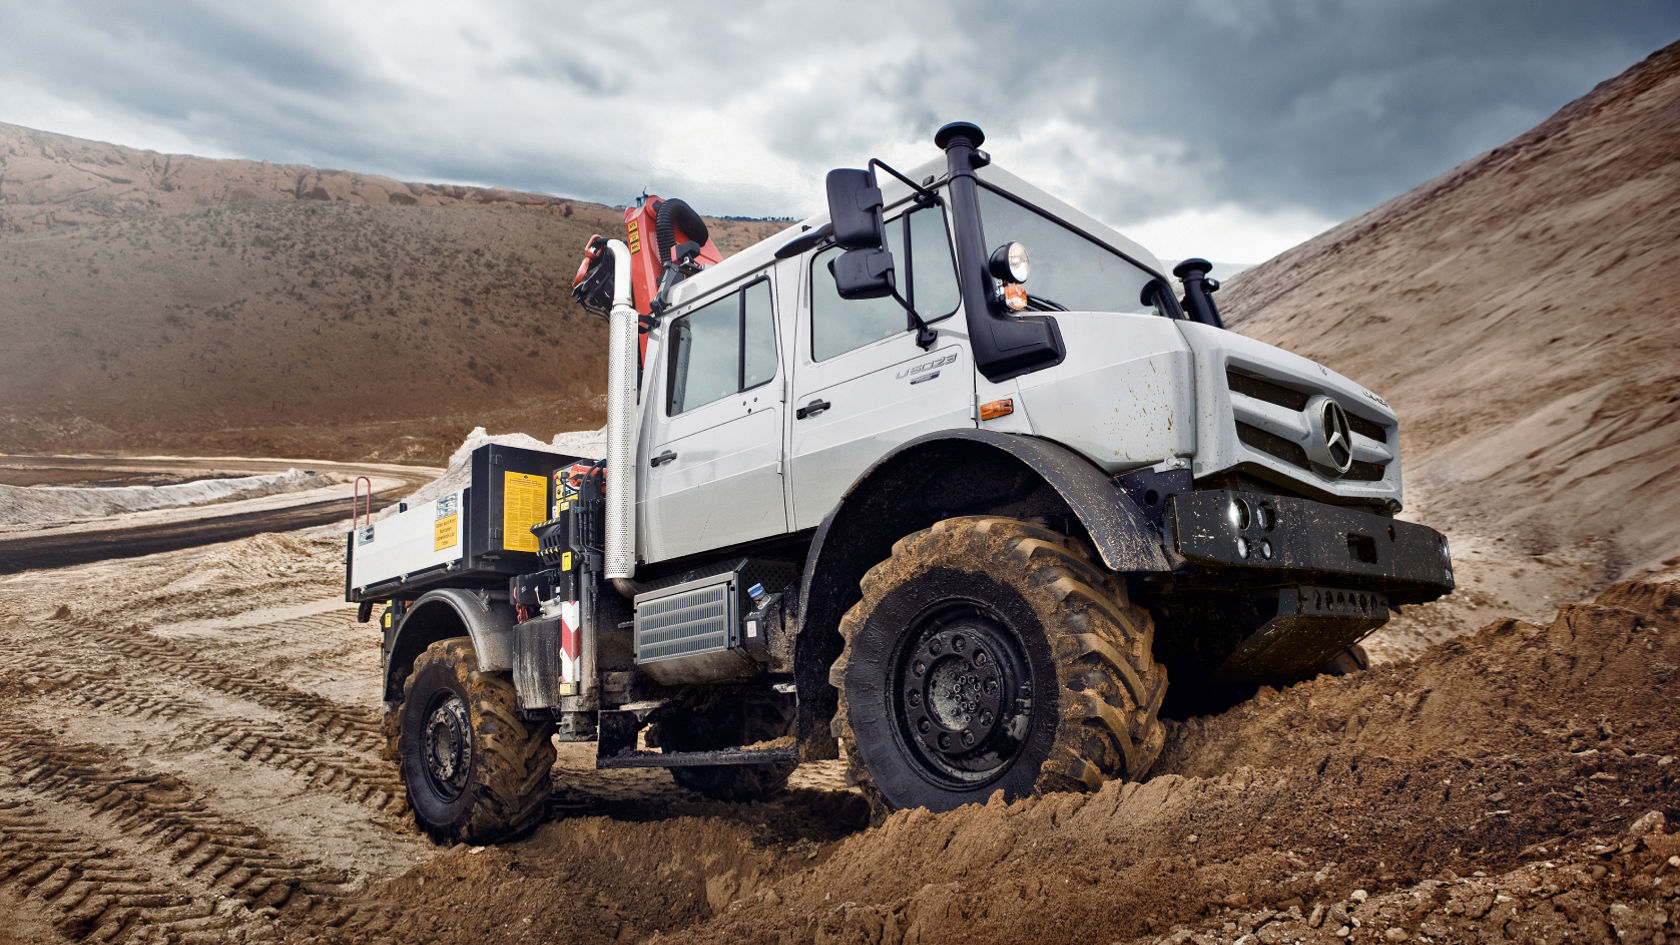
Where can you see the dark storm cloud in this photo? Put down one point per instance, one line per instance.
(1332, 106)
(1141, 108)
(168, 59)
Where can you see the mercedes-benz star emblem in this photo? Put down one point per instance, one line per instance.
(1331, 447)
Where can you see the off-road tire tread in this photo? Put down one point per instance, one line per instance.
(1102, 643)
(513, 758)
(390, 727)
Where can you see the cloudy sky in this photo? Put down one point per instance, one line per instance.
(1231, 129)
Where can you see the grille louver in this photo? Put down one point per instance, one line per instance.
(1270, 419)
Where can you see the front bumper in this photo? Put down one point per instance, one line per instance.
(1275, 538)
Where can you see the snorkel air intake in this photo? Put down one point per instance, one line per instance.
(1004, 346)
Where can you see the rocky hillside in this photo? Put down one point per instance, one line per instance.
(185, 304)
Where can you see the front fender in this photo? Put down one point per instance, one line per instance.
(933, 477)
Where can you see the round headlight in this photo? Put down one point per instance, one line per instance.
(1009, 263)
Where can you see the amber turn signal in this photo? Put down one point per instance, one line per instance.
(1014, 297)
(993, 409)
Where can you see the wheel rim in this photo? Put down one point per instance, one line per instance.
(962, 694)
(447, 745)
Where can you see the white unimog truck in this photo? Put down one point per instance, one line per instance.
(948, 481)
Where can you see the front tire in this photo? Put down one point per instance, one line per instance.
(993, 654)
(475, 771)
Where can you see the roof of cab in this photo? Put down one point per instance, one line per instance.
(894, 192)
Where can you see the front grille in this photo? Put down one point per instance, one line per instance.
(1271, 444)
(1362, 471)
(1364, 427)
(1271, 419)
(1265, 390)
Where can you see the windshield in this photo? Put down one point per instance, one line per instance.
(1070, 271)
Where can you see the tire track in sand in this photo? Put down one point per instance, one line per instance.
(207, 856)
(355, 726)
(324, 768)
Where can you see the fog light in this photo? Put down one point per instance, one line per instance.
(1242, 547)
(1238, 514)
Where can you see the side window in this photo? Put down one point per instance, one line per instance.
(926, 274)
(721, 348)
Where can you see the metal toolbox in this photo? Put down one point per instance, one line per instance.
(478, 536)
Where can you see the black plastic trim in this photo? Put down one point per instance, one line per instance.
(1004, 346)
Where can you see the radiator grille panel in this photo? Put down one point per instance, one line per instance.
(1271, 419)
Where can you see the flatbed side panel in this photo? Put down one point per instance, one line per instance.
(424, 538)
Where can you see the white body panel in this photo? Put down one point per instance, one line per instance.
(408, 542)
(724, 485)
(882, 395)
(1123, 398)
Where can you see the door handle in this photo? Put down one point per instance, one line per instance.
(662, 458)
(812, 409)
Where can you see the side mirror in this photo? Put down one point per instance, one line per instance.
(863, 274)
(854, 208)
(865, 269)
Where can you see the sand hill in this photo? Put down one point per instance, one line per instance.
(162, 302)
(1522, 313)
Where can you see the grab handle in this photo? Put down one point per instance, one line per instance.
(361, 507)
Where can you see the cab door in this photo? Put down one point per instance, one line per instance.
(861, 384)
(711, 458)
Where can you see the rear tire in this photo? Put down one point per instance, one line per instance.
(475, 771)
(993, 654)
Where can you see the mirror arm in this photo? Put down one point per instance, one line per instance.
(925, 336)
(927, 196)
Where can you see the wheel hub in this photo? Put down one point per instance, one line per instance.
(448, 745)
(964, 694)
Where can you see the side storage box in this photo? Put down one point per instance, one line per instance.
(478, 536)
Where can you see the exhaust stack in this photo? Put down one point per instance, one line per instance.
(622, 349)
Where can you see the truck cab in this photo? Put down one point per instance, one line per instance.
(949, 480)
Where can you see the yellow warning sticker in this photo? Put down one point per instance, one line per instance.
(634, 231)
(566, 561)
(444, 533)
(446, 523)
(524, 497)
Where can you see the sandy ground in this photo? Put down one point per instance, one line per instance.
(190, 745)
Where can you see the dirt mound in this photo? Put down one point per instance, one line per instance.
(1495, 787)
(51, 180)
(1600, 664)
(1518, 312)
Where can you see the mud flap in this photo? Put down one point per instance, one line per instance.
(536, 662)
